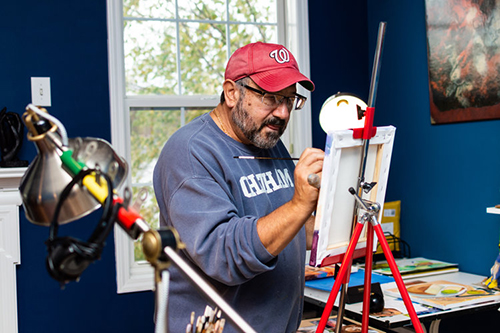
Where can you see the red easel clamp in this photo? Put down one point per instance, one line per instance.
(369, 131)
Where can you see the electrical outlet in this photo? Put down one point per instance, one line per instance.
(40, 91)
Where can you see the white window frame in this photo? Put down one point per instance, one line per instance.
(134, 276)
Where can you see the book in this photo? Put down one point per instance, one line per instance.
(446, 295)
(416, 267)
(355, 279)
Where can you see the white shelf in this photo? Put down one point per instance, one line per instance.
(493, 210)
(10, 254)
(10, 178)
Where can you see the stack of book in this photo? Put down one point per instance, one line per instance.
(416, 267)
(446, 295)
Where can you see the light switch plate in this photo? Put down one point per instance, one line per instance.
(40, 91)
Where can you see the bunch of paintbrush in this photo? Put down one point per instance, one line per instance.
(210, 322)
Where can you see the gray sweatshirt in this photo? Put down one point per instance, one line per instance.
(214, 201)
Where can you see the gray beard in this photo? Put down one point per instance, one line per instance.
(253, 132)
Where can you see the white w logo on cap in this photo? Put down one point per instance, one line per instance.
(281, 56)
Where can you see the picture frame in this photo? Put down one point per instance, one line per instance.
(336, 206)
(463, 61)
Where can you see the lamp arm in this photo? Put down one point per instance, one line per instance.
(159, 246)
(208, 291)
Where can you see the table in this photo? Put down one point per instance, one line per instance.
(397, 322)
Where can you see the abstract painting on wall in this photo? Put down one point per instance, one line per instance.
(463, 41)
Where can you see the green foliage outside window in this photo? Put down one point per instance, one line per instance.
(150, 129)
(174, 48)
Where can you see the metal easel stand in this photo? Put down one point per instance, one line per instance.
(366, 134)
(371, 210)
(160, 248)
(370, 216)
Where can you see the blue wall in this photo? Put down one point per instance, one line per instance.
(444, 175)
(67, 41)
(338, 35)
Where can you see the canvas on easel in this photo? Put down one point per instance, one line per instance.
(336, 206)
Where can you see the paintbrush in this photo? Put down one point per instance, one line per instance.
(266, 158)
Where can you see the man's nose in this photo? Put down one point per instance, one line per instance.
(282, 111)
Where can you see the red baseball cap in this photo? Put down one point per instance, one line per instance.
(271, 66)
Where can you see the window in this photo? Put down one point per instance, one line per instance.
(166, 66)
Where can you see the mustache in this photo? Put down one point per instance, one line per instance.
(274, 121)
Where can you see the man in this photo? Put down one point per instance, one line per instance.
(244, 221)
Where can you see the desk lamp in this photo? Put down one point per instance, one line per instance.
(70, 178)
(342, 111)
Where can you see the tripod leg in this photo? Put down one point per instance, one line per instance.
(368, 278)
(340, 277)
(398, 278)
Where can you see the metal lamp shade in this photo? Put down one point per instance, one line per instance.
(45, 179)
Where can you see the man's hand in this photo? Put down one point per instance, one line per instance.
(310, 163)
(278, 228)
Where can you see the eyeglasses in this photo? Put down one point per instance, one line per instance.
(272, 100)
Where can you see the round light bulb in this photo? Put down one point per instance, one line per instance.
(340, 112)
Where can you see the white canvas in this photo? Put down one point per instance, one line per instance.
(341, 168)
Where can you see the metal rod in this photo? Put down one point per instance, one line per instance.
(373, 88)
(368, 278)
(376, 64)
(207, 290)
(364, 151)
(161, 308)
(342, 299)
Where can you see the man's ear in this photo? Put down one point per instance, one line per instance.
(231, 93)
